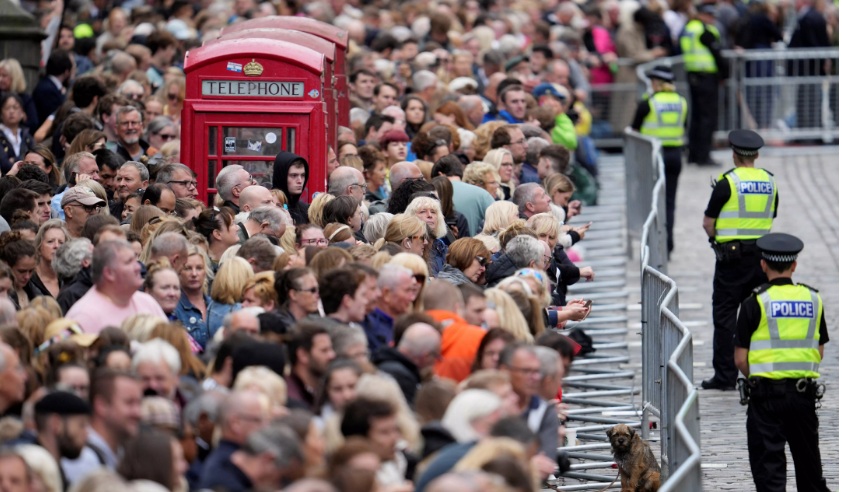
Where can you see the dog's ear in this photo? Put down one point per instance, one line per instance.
(609, 433)
(631, 432)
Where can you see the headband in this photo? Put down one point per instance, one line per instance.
(337, 231)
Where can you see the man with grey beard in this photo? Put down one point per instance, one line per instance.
(130, 145)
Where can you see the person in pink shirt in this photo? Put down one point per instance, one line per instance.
(115, 296)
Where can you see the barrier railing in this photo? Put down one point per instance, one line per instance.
(784, 94)
(667, 389)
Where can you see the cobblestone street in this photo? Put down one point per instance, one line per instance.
(808, 180)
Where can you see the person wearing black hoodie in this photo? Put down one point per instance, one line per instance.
(289, 174)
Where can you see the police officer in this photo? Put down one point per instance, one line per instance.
(663, 115)
(781, 333)
(699, 43)
(741, 208)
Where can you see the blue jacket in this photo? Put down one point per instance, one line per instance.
(378, 330)
(529, 174)
(438, 254)
(501, 115)
(190, 316)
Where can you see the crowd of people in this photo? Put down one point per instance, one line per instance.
(404, 330)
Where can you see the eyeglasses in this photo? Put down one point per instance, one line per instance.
(361, 185)
(423, 237)
(129, 123)
(312, 290)
(187, 184)
(482, 260)
(90, 208)
(167, 136)
(507, 164)
(172, 97)
(319, 240)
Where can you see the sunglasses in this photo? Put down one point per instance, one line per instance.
(172, 97)
(312, 290)
(482, 260)
(167, 136)
(420, 278)
(90, 208)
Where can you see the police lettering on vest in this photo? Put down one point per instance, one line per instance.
(756, 187)
(792, 309)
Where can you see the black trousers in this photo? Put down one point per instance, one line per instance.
(733, 281)
(672, 168)
(704, 114)
(774, 422)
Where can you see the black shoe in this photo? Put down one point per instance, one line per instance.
(713, 383)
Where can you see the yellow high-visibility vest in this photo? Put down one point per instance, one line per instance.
(749, 211)
(697, 57)
(665, 121)
(786, 342)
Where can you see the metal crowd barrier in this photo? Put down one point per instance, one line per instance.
(668, 391)
(599, 390)
(786, 95)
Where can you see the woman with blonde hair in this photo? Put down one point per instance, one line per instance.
(226, 290)
(265, 381)
(408, 232)
(194, 305)
(419, 272)
(45, 476)
(171, 95)
(502, 452)
(13, 80)
(484, 175)
(43, 157)
(87, 141)
(428, 209)
(260, 291)
(51, 235)
(561, 189)
(316, 211)
(504, 164)
(503, 312)
(498, 216)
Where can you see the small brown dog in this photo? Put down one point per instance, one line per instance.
(639, 470)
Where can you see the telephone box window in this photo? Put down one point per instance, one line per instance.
(251, 141)
(213, 137)
(290, 140)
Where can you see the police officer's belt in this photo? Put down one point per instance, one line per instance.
(734, 250)
(772, 388)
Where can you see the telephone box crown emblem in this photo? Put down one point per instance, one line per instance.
(253, 69)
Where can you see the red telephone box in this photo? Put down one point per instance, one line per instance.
(315, 43)
(335, 35)
(247, 100)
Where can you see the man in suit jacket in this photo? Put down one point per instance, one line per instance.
(50, 92)
(811, 32)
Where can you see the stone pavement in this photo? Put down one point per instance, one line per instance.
(808, 180)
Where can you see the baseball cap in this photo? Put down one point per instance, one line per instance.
(81, 194)
(549, 89)
(62, 403)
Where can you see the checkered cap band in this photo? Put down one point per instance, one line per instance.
(745, 152)
(778, 258)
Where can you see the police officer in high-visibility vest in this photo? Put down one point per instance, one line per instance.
(781, 333)
(663, 115)
(741, 209)
(699, 43)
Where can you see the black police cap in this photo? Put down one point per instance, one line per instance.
(62, 403)
(662, 72)
(779, 247)
(745, 142)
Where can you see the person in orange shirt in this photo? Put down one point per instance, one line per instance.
(460, 340)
